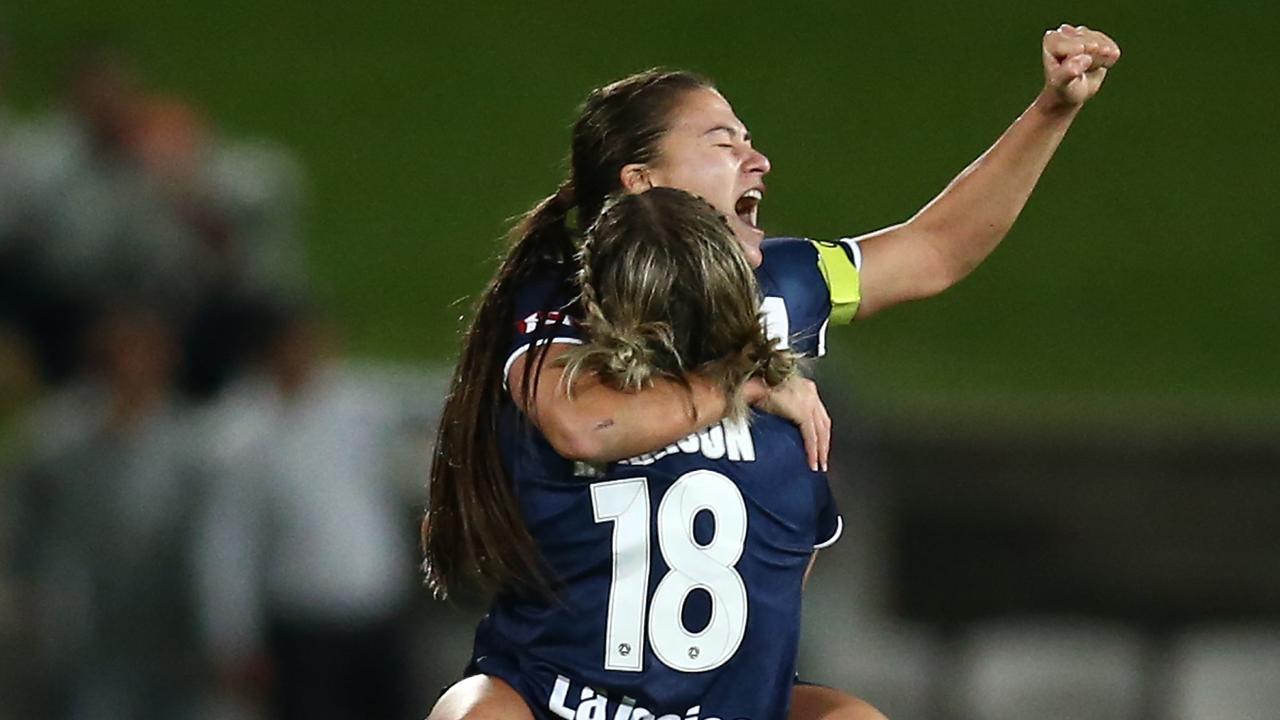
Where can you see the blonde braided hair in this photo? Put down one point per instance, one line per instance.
(666, 292)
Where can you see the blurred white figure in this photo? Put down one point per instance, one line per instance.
(305, 560)
(123, 191)
(849, 639)
(1016, 670)
(893, 665)
(1224, 673)
(103, 507)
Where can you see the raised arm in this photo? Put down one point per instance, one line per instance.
(959, 228)
(600, 424)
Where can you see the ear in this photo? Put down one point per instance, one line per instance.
(635, 178)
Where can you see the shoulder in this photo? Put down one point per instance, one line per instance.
(789, 268)
(783, 254)
(827, 272)
(770, 425)
(778, 436)
(544, 310)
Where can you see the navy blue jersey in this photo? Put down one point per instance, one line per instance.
(545, 311)
(805, 285)
(680, 574)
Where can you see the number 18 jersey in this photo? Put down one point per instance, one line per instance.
(679, 574)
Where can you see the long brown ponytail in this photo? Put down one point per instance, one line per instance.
(473, 530)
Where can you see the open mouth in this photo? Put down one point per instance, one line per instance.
(748, 207)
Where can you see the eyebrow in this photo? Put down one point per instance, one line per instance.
(733, 132)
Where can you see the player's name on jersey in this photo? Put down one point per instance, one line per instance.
(595, 705)
(729, 439)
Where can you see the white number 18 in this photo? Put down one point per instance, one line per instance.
(708, 567)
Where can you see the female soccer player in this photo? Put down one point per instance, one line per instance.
(675, 129)
(673, 578)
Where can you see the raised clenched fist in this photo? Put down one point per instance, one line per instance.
(1076, 60)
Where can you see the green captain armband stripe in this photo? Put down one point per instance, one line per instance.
(843, 280)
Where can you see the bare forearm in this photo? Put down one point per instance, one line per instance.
(959, 228)
(968, 219)
(601, 424)
(597, 423)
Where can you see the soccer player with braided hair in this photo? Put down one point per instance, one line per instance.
(674, 577)
(664, 295)
(673, 129)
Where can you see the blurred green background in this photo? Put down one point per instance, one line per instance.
(1142, 275)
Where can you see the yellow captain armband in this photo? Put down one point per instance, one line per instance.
(843, 279)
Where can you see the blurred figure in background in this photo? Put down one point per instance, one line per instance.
(17, 371)
(18, 384)
(104, 506)
(306, 563)
(238, 203)
(123, 190)
(236, 206)
(83, 225)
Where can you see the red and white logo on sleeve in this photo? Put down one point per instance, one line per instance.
(540, 319)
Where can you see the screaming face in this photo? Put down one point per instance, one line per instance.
(707, 151)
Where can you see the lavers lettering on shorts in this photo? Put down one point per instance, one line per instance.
(594, 705)
(729, 439)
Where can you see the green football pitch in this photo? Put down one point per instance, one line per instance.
(1142, 273)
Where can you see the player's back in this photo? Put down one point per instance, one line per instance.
(680, 576)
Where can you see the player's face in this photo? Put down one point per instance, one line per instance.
(707, 151)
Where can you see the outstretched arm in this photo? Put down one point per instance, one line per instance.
(959, 228)
(600, 424)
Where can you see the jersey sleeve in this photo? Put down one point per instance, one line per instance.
(840, 263)
(545, 312)
(830, 523)
(807, 285)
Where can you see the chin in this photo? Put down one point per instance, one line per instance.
(749, 239)
(747, 234)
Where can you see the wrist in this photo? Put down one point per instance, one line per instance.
(1050, 105)
(755, 391)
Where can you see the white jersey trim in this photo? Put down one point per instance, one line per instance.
(834, 537)
(852, 244)
(515, 354)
